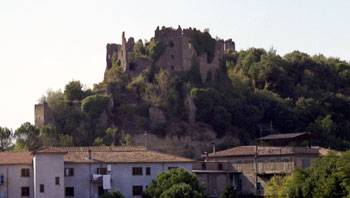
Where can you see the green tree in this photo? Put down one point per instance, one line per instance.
(116, 194)
(5, 138)
(175, 183)
(229, 191)
(73, 91)
(94, 105)
(27, 137)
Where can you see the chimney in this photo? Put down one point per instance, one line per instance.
(90, 158)
(213, 148)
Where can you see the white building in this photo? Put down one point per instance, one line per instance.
(82, 172)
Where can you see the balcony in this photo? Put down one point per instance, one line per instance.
(97, 178)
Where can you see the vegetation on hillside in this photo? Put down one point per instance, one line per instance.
(251, 88)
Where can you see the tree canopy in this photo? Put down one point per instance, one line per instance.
(175, 183)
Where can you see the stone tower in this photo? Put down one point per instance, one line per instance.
(43, 115)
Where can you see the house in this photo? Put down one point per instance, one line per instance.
(58, 172)
(250, 167)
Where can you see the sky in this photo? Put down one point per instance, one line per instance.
(44, 44)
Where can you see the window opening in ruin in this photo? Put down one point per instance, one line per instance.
(172, 56)
(171, 44)
(172, 67)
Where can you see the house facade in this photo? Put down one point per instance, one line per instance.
(250, 167)
(83, 171)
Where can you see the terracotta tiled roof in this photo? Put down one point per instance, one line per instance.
(118, 155)
(267, 150)
(15, 158)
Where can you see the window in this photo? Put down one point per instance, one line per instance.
(25, 191)
(260, 165)
(239, 184)
(252, 165)
(169, 168)
(172, 56)
(272, 164)
(42, 188)
(102, 171)
(69, 191)
(137, 171)
(204, 166)
(69, 172)
(306, 163)
(57, 180)
(148, 171)
(25, 172)
(285, 164)
(136, 190)
(220, 166)
(239, 165)
(171, 44)
(101, 191)
(172, 67)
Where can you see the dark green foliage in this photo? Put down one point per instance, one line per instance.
(193, 75)
(204, 43)
(115, 194)
(229, 191)
(175, 183)
(5, 138)
(155, 50)
(27, 137)
(327, 177)
(94, 105)
(73, 91)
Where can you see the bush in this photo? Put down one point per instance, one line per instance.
(94, 105)
(175, 183)
(115, 194)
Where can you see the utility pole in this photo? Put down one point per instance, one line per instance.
(145, 139)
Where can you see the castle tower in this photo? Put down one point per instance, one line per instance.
(43, 115)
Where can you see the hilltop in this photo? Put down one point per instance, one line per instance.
(188, 90)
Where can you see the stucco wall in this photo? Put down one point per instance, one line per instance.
(46, 168)
(122, 178)
(14, 182)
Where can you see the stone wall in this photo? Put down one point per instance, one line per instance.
(43, 115)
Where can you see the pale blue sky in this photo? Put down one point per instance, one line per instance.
(45, 44)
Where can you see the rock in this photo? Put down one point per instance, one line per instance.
(156, 116)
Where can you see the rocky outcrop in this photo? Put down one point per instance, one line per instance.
(156, 116)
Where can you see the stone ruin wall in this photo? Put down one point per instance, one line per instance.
(43, 115)
(177, 56)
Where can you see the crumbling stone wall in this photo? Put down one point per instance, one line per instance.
(176, 57)
(119, 53)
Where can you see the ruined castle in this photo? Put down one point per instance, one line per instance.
(177, 56)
